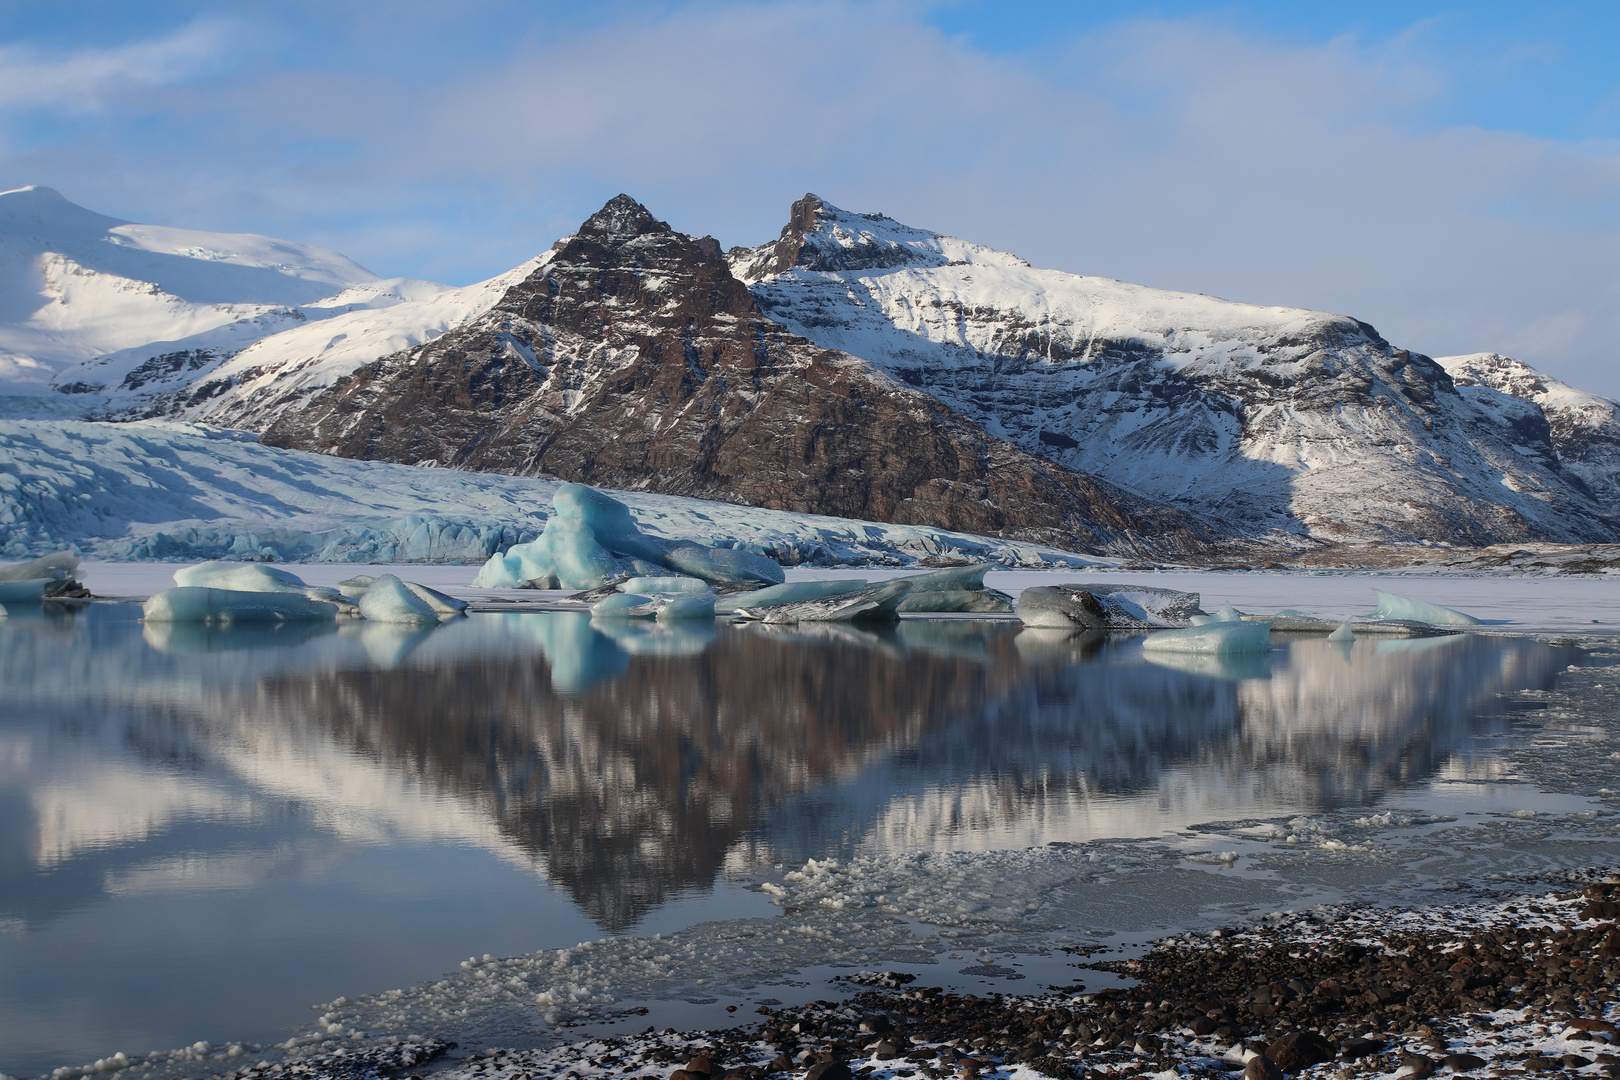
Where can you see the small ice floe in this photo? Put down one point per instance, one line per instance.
(189, 603)
(880, 603)
(1218, 638)
(1106, 607)
(663, 606)
(793, 592)
(1345, 632)
(590, 539)
(956, 588)
(254, 578)
(390, 600)
(41, 579)
(1408, 609)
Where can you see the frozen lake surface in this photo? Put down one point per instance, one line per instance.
(203, 833)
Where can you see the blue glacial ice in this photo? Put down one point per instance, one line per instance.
(389, 600)
(190, 603)
(958, 588)
(1407, 609)
(591, 539)
(791, 593)
(1219, 638)
(671, 584)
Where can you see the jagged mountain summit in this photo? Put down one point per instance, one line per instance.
(632, 357)
(1296, 422)
(97, 307)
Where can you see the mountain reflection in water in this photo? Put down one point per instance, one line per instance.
(628, 763)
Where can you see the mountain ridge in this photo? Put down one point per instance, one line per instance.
(1252, 424)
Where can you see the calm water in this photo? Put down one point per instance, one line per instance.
(203, 832)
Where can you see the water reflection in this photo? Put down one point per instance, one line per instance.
(624, 762)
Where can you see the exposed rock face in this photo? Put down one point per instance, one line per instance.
(1577, 432)
(1269, 418)
(633, 358)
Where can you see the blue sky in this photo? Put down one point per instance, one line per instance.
(1447, 172)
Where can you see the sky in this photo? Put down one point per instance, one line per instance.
(1449, 172)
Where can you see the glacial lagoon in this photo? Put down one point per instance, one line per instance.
(207, 831)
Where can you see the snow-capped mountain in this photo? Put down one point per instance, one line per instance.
(633, 358)
(854, 366)
(1582, 429)
(93, 305)
(1270, 418)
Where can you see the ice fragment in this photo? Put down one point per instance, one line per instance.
(1217, 638)
(1408, 609)
(200, 604)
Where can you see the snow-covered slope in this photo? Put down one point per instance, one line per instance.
(1270, 418)
(236, 378)
(76, 285)
(164, 490)
(1584, 429)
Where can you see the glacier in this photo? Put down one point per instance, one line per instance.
(162, 490)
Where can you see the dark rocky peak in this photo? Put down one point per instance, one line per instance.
(623, 255)
(621, 218)
(820, 236)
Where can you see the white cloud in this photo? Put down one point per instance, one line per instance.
(91, 80)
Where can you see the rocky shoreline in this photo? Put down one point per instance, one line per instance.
(1496, 988)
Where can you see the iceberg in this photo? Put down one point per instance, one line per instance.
(390, 600)
(51, 575)
(252, 577)
(958, 588)
(1345, 632)
(678, 584)
(438, 601)
(1407, 609)
(1106, 607)
(665, 607)
(791, 593)
(878, 604)
(590, 539)
(1219, 638)
(624, 605)
(25, 591)
(191, 603)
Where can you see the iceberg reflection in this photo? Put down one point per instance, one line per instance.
(625, 762)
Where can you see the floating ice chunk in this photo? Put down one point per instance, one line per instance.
(677, 584)
(1408, 609)
(1105, 606)
(1217, 638)
(878, 604)
(390, 600)
(624, 606)
(681, 608)
(438, 601)
(252, 577)
(591, 539)
(791, 593)
(60, 564)
(1228, 613)
(958, 588)
(191, 603)
(354, 588)
(721, 565)
(1345, 632)
(26, 591)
